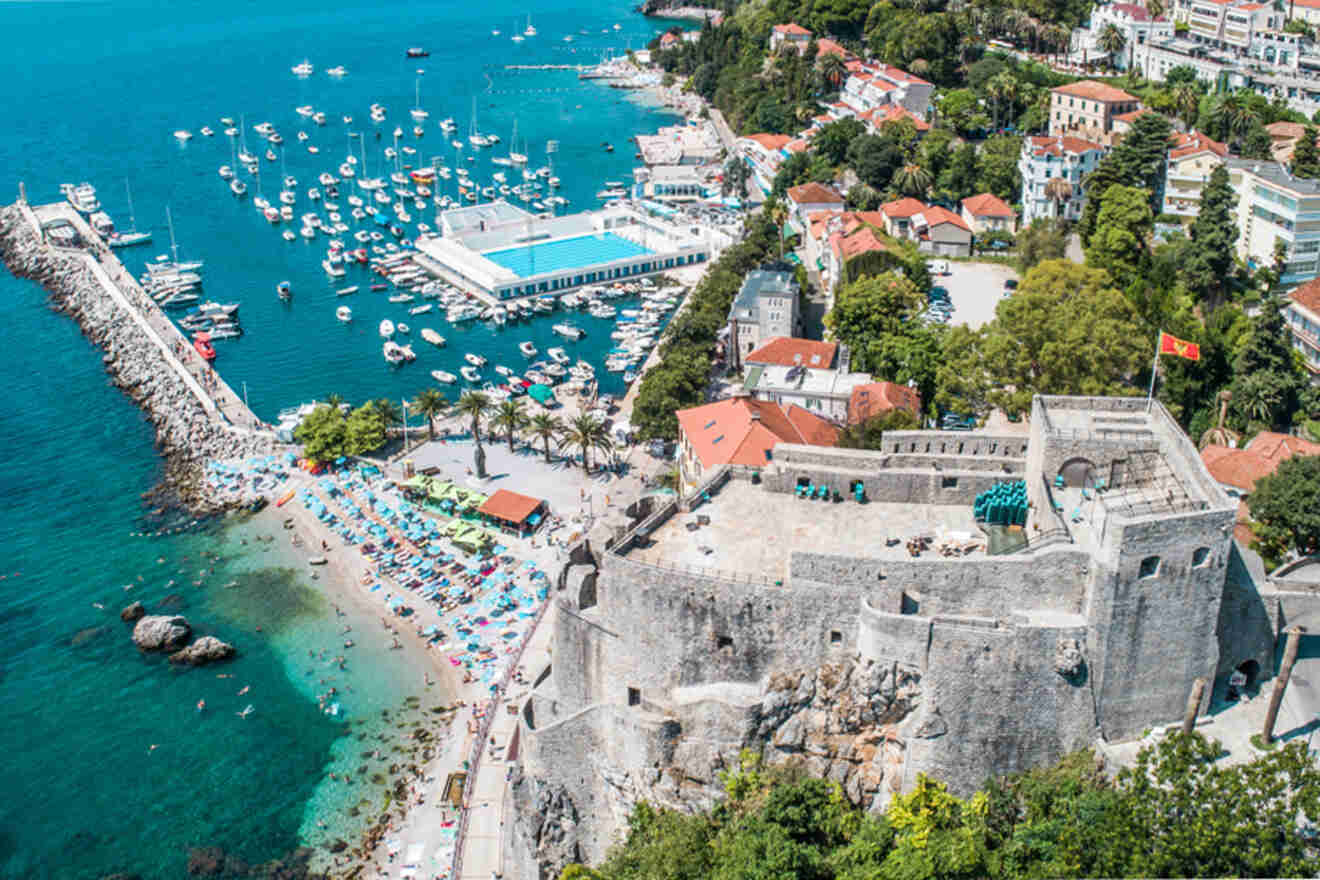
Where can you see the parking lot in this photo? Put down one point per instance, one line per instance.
(973, 290)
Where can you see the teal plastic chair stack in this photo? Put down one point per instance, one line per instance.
(1002, 504)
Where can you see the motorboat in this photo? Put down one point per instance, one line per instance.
(289, 235)
(347, 291)
(470, 373)
(202, 345)
(527, 349)
(226, 173)
(444, 377)
(387, 328)
(420, 310)
(337, 71)
(183, 135)
(303, 69)
(394, 353)
(306, 111)
(344, 314)
(284, 290)
(475, 360)
(334, 270)
(207, 131)
(402, 328)
(569, 331)
(432, 337)
(417, 52)
(558, 355)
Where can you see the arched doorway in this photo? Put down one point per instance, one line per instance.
(1250, 670)
(1078, 473)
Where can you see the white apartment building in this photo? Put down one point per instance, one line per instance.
(763, 154)
(1048, 157)
(1133, 21)
(1273, 207)
(873, 85)
(1192, 158)
(1227, 24)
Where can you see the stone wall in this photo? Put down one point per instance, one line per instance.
(1247, 622)
(901, 638)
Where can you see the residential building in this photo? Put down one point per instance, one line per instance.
(763, 154)
(898, 215)
(1087, 109)
(743, 432)
(695, 143)
(824, 392)
(850, 241)
(1238, 470)
(1046, 158)
(878, 117)
(825, 46)
(986, 213)
(1122, 123)
(1227, 24)
(767, 305)
(878, 398)
(1302, 315)
(671, 183)
(1283, 139)
(807, 199)
(1133, 21)
(1192, 158)
(1306, 10)
(789, 351)
(872, 85)
(1274, 208)
(939, 231)
(791, 36)
(669, 40)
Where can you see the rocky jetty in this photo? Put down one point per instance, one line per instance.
(207, 649)
(158, 632)
(185, 433)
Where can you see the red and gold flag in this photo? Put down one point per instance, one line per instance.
(1170, 344)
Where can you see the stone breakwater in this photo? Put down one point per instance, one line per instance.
(186, 434)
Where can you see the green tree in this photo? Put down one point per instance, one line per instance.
(1258, 144)
(963, 171)
(1306, 157)
(736, 174)
(868, 312)
(1267, 385)
(912, 180)
(1106, 174)
(430, 404)
(510, 418)
(587, 434)
(476, 406)
(875, 160)
(322, 434)
(1123, 227)
(870, 433)
(364, 430)
(998, 164)
(1142, 154)
(1112, 41)
(545, 427)
(834, 138)
(863, 197)
(1206, 264)
(1045, 239)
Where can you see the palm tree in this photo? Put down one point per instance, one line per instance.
(1258, 397)
(1154, 8)
(1001, 87)
(1187, 103)
(509, 416)
(1058, 190)
(1219, 435)
(919, 66)
(389, 411)
(1111, 41)
(1233, 118)
(334, 401)
(545, 427)
(476, 406)
(430, 403)
(833, 69)
(586, 433)
(912, 180)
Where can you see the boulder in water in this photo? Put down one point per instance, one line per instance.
(207, 649)
(133, 612)
(157, 632)
(173, 600)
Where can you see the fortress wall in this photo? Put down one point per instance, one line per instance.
(902, 638)
(975, 443)
(1153, 635)
(996, 704)
(1246, 626)
(929, 486)
(1053, 580)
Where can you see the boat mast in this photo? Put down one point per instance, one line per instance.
(174, 247)
(132, 222)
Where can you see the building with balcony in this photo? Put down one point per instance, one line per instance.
(1276, 209)
(791, 36)
(1192, 158)
(1302, 315)
(767, 305)
(763, 154)
(874, 85)
(987, 213)
(1133, 21)
(1046, 158)
(1227, 24)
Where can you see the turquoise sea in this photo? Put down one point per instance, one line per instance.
(96, 91)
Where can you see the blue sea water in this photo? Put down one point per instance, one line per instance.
(95, 92)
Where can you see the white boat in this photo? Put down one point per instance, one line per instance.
(503, 370)
(432, 337)
(394, 353)
(417, 113)
(347, 291)
(558, 355)
(332, 269)
(337, 71)
(402, 327)
(306, 110)
(387, 328)
(207, 131)
(82, 197)
(420, 310)
(475, 360)
(226, 173)
(344, 314)
(569, 331)
(527, 349)
(183, 135)
(529, 31)
(290, 235)
(444, 377)
(470, 373)
(304, 69)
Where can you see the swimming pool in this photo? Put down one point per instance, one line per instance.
(568, 253)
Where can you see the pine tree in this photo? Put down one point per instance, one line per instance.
(1265, 370)
(1258, 143)
(1106, 174)
(1209, 257)
(1306, 158)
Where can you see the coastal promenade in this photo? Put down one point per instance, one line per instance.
(215, 396)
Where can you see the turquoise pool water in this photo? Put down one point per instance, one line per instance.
(567, 253)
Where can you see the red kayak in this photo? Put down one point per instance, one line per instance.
(202, 342)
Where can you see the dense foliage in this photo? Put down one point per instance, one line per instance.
(1174, 813)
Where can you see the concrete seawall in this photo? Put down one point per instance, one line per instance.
(191, 427)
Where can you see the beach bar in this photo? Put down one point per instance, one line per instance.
(513, 512)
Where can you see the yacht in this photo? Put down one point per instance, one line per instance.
(432, 337)
(304, 69)
(470, 373)
(82, 197)
(417, 113)
(336, 71)
(387, 328)
(527, 349)
(344, 314)
(443, 377)
(394, 353)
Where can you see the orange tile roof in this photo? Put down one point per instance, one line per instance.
(742, 430)
(876, 398)
(1307, 296)
(1287, 129)
(864, 241)
(1057, 145)
(826, 46)
(935, 215)
(900, 75)
(770, 142)
(797, 145)
(1094, 91)
(1193, 142)
(814, 194)
(788, 351)
(902, 208)
(509, 506)
(1242, 468)
(1132, 115)
(793, 28)
(887, 113)
(986, 205)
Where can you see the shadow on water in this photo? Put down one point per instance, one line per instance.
(274, 599)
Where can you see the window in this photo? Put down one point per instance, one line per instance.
(1200, 556)
(724, 642)
(948, 482)
(1150, 567)
(634, 697)
(836, 637)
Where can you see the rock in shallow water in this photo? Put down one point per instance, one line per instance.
(160, 633)
(133, 612)
(207, 649)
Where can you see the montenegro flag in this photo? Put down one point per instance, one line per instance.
(1173, 345)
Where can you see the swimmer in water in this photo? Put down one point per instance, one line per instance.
(246, 688)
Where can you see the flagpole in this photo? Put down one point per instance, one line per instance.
(1154, 369)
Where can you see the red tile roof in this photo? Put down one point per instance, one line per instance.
(793, 29)
(880, 116)
(857, 241)
(935, 215)
(986, 205)
(1136, 12)
(1193, 142)
(900, 75)
(1131, 115)
(877, 398)
(509, 506)
(902, 208)
(1307, 296)
(1242, 468)
(797, 145)
(813, 194)
(742, 430)
(1058, 144)
(668, 39)
(787, 351)
(829, 47)
(771, 142)
(1094, 91)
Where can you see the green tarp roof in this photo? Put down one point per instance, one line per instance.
(540, 393)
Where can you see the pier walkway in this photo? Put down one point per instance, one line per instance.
(214, 394)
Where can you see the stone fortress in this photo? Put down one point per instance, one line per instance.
(877, 640)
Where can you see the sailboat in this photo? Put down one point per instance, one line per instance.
(243, 155)
(517, 37)
(476, 138)
(530, 31)
(418, 114)
(132, 237)
(514, 156)
(163, 267)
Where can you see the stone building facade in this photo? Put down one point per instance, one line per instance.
(868, 665)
